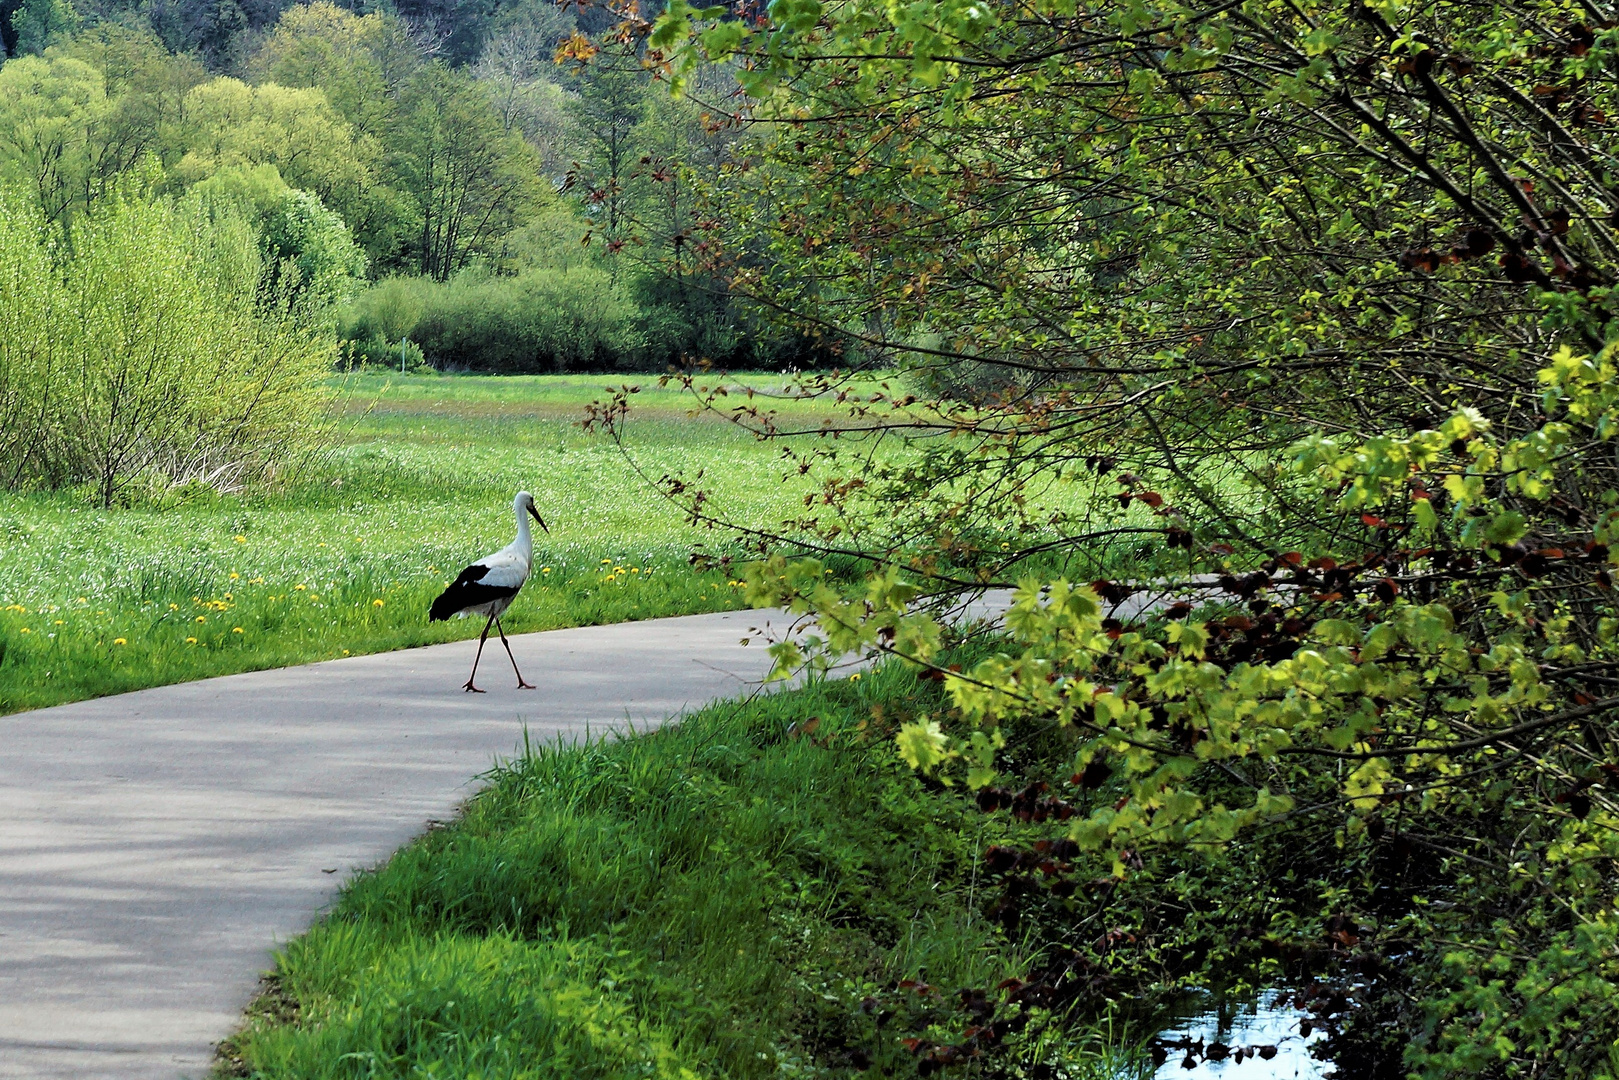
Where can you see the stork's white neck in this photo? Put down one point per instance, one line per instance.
(525, 542)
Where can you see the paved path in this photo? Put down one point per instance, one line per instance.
(155, 846)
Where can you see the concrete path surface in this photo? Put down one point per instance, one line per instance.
(155, 846)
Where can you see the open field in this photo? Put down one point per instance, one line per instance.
(346, 557)
(762, 890)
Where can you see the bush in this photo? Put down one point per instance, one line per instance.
(378, 351)
(547, 319)
(388, 310)
(536, 321)
(300, 230)
(696, 318)
(148, 346)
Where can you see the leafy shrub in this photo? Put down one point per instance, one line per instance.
(536, 321)
(694, 317)
(303, 232)
(389, 309)
(148, 344)
(547, 319)
(378, 351)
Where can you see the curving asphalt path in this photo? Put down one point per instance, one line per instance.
(155, 846)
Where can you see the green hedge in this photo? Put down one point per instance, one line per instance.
(549, 320)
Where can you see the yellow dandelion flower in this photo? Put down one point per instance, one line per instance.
(119, 641)
(234, 575)
(25, 630)
(314, 596)
(239, 538)
(321, 544)
(376, 603)
(191, 641)
(545, 569)
(58, 622)
(345, 652)
(256, 581)
(83, 600)
(635, 569)
(607, 562)
(174, 607)
(236, 629)
(855, 677)
(299, 588)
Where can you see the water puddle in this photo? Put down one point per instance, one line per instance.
(1253, 1040)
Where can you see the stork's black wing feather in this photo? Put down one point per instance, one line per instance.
(467, 591)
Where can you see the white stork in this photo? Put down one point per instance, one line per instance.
(489, 586)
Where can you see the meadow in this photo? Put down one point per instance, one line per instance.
(344, 556)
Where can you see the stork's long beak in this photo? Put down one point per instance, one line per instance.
(537, 517)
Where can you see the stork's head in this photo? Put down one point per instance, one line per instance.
(524, 504)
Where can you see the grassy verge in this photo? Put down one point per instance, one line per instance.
(759, 891)
(345, 558)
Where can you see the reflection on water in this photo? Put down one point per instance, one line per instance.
(1255, 1040)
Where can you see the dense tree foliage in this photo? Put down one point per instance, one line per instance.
(533, 155)
(1323, 296)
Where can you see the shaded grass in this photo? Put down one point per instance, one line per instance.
(740, 895)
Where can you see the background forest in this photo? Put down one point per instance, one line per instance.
(516, 213)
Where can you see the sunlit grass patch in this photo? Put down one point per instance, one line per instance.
(345, 558)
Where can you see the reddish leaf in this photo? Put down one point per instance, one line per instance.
(1425, 259)
(1517, 268)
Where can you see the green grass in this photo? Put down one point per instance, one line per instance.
(345, 558)
(744, 894)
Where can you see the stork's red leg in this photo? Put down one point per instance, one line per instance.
(481, 639)
(521, 685)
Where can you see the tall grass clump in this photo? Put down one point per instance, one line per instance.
(144, 344)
